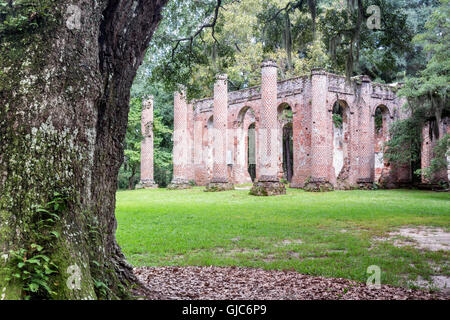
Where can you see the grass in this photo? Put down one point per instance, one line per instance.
(325, 234)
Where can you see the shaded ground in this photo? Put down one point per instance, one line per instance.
(235, 283)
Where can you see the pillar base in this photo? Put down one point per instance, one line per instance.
(268, 188)
(147, 184)
(365, 184)
(179, 184)
(219, 186)
(318, 185)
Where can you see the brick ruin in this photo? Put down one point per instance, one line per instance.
(431, 133)
(317, 132)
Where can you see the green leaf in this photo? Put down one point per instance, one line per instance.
(34, 261)
(55, 233)
(37, 247)
(33, 287)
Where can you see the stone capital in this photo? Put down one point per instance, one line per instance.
(318, 72)
(181, 89)
(148, 103)
(221, 76)
(269, 63)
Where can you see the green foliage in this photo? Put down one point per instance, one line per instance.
(378, 120)
(337, 120)
(405, 143)
(439, 162)
(32, 265)
(192, 183)
(286, 114)
(427, 92)
(33, 270)
(102, 288)
(430, 88)
(25, 16)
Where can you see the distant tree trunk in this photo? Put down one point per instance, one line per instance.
(65, 83)
(353, 58)
(131, 178)
(313, 10)
(288, 40)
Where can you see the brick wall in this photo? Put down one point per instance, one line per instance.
(311, 99)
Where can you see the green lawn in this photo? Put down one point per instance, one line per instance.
(326, 234)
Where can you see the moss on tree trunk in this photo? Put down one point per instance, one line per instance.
(64, 90)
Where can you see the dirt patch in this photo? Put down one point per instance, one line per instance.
(235, 283)
(236, 251)
(437, 282)
(433, 239)
(288, 242)
(424, 238)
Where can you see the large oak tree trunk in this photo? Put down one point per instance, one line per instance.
(65, 78)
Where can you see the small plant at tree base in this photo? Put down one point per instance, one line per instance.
(32, 265)
(34, 270)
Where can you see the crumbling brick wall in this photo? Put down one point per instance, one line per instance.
(311, 99)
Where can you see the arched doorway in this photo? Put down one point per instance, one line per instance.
(251, 151)
(246, 151)
(341, 136)
(381, 117)
(286, 141)
(288, 152)
(210, 148)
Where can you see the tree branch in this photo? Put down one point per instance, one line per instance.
(211, 25)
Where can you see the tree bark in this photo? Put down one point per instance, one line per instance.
(131, 178)
(65, 82)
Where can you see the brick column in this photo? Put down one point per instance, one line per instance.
(268, 183)
(180, 142)
(321, 144)
(427, 150)
(219, 180)
(190, 167)
(147, 181)
(199, 165)
(366, 133)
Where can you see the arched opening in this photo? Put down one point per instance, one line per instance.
(210, 148)
(251, 151)
(341, 136)
(246, 154)
(285, 117)
(381, 117)
(288, 152)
